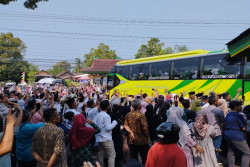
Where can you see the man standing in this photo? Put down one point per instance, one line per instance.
(48, 146)
(191, 97)
(136, 124)
(215, 118)
(104, 138)
(205, 101)
(234, 134)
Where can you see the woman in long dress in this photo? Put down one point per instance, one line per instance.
(79, 138)
(186, 142)
(204, 134)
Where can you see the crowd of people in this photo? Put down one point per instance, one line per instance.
(52, 125)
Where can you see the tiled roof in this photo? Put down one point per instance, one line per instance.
(62, 73)
(100, 66)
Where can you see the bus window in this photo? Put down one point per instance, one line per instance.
(159, 70)
(247, 68)
(114, 69)
(221, 66)
(125, 71)
(119, 69)
(186, 68)
(139, 72)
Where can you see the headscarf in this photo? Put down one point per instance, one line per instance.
(196, 105)
(143, 107)
(175, 116)
(222, 105)
(80, 134)
(201, 125)
(36, 118)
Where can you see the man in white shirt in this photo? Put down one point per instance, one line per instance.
(104, 138)
(72, 106)
(92, 111)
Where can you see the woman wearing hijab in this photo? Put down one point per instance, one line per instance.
(79, 138)
(204, 134)
(37, 117)
(222, 105)
(196, 105)
(185, 140)
(163, 111)
(153, 122)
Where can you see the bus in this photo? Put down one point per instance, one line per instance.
(198, 70)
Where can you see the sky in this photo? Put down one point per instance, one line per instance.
(67, 29)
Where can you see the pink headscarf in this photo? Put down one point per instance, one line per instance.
(36, 118)
(201, 125)
(143, 107)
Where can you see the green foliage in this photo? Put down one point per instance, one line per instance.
(102, 52)
(180, 48)
(12, 52)
(68, 83)
(60, 67)
(30, 4)
(32, 70)
(78, 65)
(154, 48)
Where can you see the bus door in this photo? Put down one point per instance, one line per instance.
(112, 81)
(103, 80)
(246, 91)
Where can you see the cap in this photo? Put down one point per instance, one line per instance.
(199, 94)
(205, 97)
(191, 93)
(225, 95)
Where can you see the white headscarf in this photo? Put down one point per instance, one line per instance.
(175, 116)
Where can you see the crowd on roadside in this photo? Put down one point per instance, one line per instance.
(52, 125)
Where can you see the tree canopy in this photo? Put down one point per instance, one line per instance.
(78, 65)
(102, 52)
(30, 4)
(31, 75)
(155, 48)
(60, 67)
(12, 62)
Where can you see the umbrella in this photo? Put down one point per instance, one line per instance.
(84, 78)
(46, 80)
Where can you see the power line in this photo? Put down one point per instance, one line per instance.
(122, 20)
(104, 35)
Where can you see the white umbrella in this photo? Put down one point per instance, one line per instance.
(46, 80)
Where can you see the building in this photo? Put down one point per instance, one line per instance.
(65, 75)
(99, 68)
(42, 74)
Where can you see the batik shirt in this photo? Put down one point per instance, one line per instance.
(137, 123)
(48, 140)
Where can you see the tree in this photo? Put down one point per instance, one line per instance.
(102, 52)
(60, 67)
(12, 62)
(180, 48)
(78, 65)
(30, 4)
(153, 48)
(32, 70)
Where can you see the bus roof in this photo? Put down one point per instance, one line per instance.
(167, 56)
